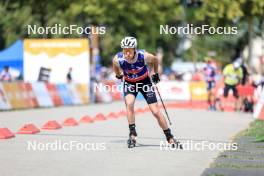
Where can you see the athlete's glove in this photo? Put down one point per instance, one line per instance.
(119, 76)
(155, 78)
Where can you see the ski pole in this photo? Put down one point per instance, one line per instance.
(167, 115)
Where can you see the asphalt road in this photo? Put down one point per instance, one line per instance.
(106, 152)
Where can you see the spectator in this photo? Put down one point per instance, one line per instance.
(244, 70)
(69, 75)
(5, 75)
(233, 75)
(209, 74)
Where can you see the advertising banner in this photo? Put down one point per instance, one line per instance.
(57, 56)
(42, 94)
(64, 94)
(4, 103)
(174, 90)
(198, 91)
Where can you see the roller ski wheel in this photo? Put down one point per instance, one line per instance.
(131, 142)
(175, 143)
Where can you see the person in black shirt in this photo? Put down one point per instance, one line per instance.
(69, 76)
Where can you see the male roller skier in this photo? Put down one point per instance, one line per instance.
(131, 64)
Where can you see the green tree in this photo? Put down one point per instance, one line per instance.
(138, 18)
(234, 12)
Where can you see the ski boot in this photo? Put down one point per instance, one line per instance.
(131, 142)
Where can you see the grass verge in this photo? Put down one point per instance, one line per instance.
(256, 129)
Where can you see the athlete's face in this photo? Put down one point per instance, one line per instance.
(129, 53)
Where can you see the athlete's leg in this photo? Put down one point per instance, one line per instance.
(226, 90)
(158, 115)
(150, 97)
(209, 93)
(238, 100)
(148, 92)
(130, 102)
(209, 99)
(162, 121)
(225, 95)
(130, 94)
(211, 96)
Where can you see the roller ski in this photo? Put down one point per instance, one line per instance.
(175, 143)
(171, 140)
(131, 142)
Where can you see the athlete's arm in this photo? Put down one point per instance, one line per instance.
(152, 61)
(116, 68)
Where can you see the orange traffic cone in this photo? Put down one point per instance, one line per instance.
(70, 122)
(5, 133)
(86, 119)
(99, 117)
(51, 125)
(28, 129)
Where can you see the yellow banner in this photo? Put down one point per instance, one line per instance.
(83, 92)
(53, 47)
(198, 91)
